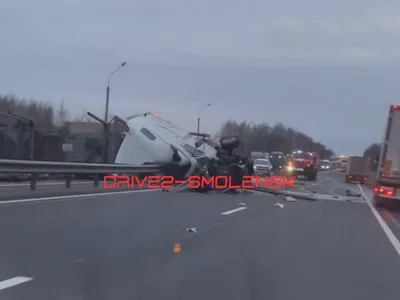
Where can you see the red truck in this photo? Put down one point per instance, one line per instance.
(303, 164)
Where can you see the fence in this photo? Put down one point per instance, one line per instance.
(20, 140)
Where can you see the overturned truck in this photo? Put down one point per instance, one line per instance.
(152, 140)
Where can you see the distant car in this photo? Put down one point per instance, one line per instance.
(325, 165)
(341, 169)
(277, 160)
(262, 166)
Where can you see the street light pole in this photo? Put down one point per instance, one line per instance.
(247, 139)
(108, 89)
(107, 129)
(198, 118)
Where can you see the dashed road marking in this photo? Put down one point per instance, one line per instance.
(392, 238)
(232, 211)
(5, 284)
(74, 196)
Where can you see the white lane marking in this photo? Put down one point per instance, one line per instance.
(232, 211)
(42, 184)
(74, 196)
(5, 284)
(392, 238)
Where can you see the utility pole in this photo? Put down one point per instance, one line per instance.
(107, 127)
(198, 117)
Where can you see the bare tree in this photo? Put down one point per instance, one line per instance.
(372, 151)
(62, 115)
(41, 112)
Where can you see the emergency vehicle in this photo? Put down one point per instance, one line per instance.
(303, 163)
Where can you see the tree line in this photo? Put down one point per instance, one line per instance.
(45, 116)
(372, 151)
(266, 138)
(255, 137)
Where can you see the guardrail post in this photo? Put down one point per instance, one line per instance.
(68, 182)
(34, 178)
(96, 180)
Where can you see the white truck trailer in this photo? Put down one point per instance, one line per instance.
(387, 183)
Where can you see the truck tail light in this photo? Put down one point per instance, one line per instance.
(389, 191)
(375, 189)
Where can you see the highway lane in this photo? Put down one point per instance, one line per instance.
(328, 182)
(15, 191)
(332, 182)
(122, 247)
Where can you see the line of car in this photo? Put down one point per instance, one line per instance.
(278, 162)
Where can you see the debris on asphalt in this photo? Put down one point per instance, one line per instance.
(242, 204)
(177, 248)
(193, 229)
(349, 193)
(290, 199)
(280, 205)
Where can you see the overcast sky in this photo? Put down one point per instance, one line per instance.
(327, 68)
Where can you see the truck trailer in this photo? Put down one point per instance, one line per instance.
(387, 181)
(357, 169)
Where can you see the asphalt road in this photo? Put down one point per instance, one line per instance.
(329, 182)
(332, 182)
(136, 246)
(15, 191)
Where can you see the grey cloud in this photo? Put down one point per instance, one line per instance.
(329, 68)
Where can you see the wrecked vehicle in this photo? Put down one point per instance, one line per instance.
(152, 140)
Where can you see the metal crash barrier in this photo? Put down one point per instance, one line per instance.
(35, 168)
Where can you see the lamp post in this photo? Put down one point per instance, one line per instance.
(247, 140)
(107, 129)
(108, 89)
(198, 117)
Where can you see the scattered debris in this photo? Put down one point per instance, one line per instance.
(177, 248)
(349, 193)
(242, 204)
(280, 205)
(290, 199)
(193, 229)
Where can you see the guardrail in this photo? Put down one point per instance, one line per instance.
(34, 168)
